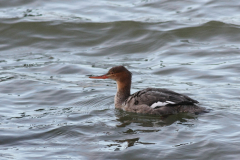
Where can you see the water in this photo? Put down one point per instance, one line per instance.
(50, 109)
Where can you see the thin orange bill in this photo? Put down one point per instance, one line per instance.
(100, 77)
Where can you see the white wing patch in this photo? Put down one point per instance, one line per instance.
(170, 102)
(160, 104)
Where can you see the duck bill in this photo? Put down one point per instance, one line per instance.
(100, 77)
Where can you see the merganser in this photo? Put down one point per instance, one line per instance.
(155, 101)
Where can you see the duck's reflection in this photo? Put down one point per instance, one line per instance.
(126, 118)
(126, 143)
(134, 126)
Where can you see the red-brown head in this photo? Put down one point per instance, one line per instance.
(118, 73)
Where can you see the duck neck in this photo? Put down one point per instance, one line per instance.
(123, 92)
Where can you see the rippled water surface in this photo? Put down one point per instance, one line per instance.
(50, 109)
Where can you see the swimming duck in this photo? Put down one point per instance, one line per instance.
(155, 101)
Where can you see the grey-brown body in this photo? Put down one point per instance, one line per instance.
(141, 102)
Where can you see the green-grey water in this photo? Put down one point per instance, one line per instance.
(50, 109)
